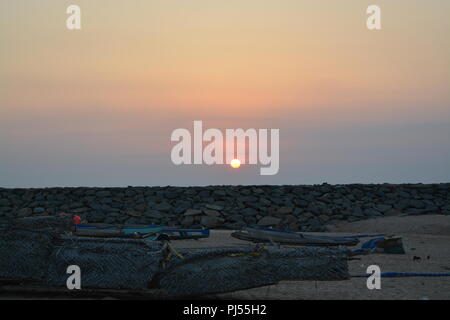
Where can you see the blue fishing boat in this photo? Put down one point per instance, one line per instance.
(150, 232)
(182, 234)
(118, 231)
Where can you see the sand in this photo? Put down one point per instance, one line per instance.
(423, 236)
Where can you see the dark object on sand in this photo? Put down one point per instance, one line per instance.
(261, 235)
(36, 253)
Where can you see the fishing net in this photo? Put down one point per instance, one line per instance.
(105, 263)
(40, 251)
(214, 270)
(26, 245)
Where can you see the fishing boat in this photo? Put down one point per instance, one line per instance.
(149, 232)
(268, 235)
(185, 234)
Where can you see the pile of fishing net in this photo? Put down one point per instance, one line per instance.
(38, 251)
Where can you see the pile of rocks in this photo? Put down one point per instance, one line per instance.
(294, 207)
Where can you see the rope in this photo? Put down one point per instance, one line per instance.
(168, 251)
(403, 274)
(259, 249)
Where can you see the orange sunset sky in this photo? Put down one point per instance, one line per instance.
(96, 106)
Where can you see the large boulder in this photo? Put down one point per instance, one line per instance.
(211, 222)
(269, 221)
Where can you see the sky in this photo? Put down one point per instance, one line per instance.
(97, 106)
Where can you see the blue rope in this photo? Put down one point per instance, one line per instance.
(403, 274)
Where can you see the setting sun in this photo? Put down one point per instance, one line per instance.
(235, 163)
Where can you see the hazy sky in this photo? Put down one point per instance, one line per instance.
(96, 107)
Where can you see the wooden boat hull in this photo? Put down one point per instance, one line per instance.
(291, 238)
